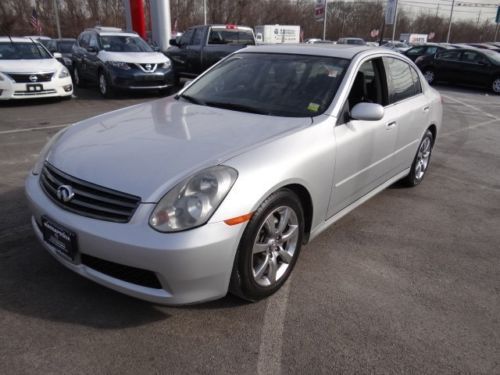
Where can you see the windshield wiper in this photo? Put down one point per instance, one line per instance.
(237, 107)
(190, 99)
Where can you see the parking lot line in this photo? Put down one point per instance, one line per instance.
(271, 337)
(470, 106)
(14, 131)
(484, 123)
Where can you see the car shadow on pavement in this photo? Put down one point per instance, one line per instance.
(34, 284)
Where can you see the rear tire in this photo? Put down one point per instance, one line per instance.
(269, 247)
(495, 86)
(421, 161)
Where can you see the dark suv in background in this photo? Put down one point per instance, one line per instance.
(65, 47)
(114, 59)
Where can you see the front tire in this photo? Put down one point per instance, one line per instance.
(269, 247)
(77, 78)
(104, 86)
(430, 76)
(421, 161)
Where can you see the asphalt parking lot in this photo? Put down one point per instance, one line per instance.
(407, 283)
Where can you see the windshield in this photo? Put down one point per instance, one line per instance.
(124, 43)
(270, 84)
(18, 51)
(65, 47)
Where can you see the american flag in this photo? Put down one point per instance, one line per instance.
(35, 22)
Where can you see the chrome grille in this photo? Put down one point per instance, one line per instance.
(25, 77)
(89, 199)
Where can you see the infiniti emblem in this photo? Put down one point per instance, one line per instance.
(148, 66)
(65, 193)
(33, 78)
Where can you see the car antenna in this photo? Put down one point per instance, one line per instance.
(36, 46)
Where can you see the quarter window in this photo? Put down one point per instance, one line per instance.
(399, 79)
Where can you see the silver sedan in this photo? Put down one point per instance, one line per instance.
(183, 199)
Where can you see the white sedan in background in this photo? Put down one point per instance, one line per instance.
(27, 70)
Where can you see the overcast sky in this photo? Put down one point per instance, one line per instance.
(476, 9)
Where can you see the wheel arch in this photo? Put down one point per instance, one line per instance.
(433, 130)
(307, 205)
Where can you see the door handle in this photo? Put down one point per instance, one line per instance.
(390, 125)
(426, 109)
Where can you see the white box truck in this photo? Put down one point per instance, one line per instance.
(413, 38)
(273, 34)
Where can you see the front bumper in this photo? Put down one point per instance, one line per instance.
(57, 87)
(135, 79)
(191, 266)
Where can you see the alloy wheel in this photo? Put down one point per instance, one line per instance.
(275, 246)
(496, 86)
(423, 157)
(103, 85)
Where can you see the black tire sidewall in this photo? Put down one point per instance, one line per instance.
(248, 288)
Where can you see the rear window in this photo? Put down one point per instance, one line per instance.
(231, 36)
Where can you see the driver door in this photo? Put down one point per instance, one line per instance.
(364, 149)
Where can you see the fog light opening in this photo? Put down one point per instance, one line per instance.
(68, 88)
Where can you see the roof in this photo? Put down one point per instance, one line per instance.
(346, 51)
(16, 39)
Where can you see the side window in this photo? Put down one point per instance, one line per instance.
(399, 79)
(186, 38)
(431, 50)
(473, 57)
(367, 86)
(416, 81)
(449, 56)
(93, 41)
(415, 51)
(84, 40)
(198, 35)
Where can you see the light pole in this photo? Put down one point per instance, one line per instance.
(56, 11)
(324, 19)
(451, 20)
(395, 22)
(204, 12)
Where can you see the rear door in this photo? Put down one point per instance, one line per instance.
(363, 148)
(408, 106)
(475, 68)
(447, 66)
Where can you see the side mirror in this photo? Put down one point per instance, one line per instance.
(57, 55)
(92, 49)
(173, 42)
(367, 112)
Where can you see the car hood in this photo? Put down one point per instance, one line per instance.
(134, 57)
(29, 66)
(145, 149)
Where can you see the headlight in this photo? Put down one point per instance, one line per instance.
(119, 64)
(193, 201)
(166, 64)
(37, 169)
(64, 73)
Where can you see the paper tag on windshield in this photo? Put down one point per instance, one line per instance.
(313, 107)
